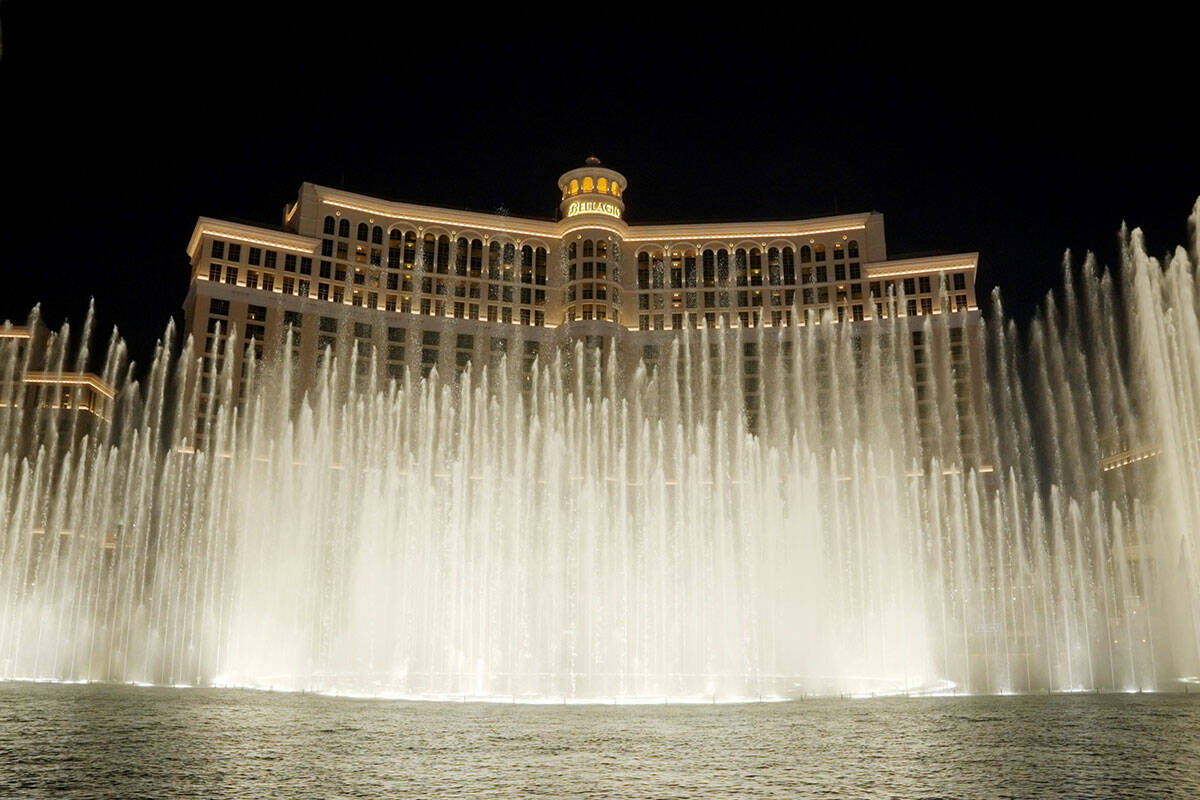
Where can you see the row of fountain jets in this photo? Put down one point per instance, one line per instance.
(598, 531)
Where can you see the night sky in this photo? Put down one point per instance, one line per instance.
(115, 146)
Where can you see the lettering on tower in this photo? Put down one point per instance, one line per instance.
(593, 207)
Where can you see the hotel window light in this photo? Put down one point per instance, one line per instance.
(588, 186)
(344, 228)
(602, 185)
(574, 186)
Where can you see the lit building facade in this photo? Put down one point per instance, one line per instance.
(418, 287)
(43, 401)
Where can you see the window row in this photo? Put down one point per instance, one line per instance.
(590, 185)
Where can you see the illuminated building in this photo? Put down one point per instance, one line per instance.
(418, 287)
(36, 390)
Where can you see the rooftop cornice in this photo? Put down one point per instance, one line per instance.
(432, 215)
(911, 266)
(249, 234)
(729, 231)
(665, 233)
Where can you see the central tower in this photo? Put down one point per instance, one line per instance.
(593, 207)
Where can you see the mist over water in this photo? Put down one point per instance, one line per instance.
(602, 530)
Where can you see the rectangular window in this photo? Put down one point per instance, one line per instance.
(256, 313)
(231, 275)
(220, 307)
(269, 260)
(235, 252)
(255, 256)
(218, 249)
(329, 324)
(214, 272)
(289, 261)
(305, 265)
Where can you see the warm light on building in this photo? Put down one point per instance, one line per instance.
(424, 287)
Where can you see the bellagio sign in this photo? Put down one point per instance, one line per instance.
(593, 207)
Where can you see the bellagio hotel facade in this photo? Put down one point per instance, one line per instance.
(419, 287)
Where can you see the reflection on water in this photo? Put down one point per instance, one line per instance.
(106, 741)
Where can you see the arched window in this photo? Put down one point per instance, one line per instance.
(460, 256)
(643, 271)
(589, 249)
(789, 266)
(443, 255)
(805, 254)
(709, 266)
(363, 231)
(494, 261)
(394, 249)
(410, 249)
(588, 186)
(476, 256)
(330, 225)
(344, 228)
(539, 266)
(853, 248)
(616, 190)
(739, 262)
(601, 248)
(602, 185)
(427, 252)
(377, 235)
(723, 267)
(574, 186)
(755, 267)
(572, 250)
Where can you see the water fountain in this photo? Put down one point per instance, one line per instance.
(608, 532)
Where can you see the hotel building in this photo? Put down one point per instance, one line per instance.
(43, 401)
(418, 287)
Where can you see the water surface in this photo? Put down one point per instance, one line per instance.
(112, 741)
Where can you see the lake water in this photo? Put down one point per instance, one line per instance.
(105, 741)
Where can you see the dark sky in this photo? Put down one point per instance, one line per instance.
(116, 141)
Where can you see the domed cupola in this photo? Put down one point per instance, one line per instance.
(592, 191)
